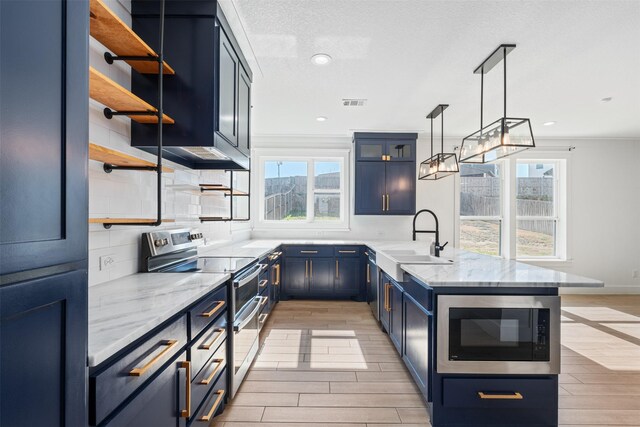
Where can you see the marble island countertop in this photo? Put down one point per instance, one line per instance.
(123, 310)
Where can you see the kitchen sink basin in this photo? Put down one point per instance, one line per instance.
(391, 260)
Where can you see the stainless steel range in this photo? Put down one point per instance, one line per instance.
(176, 251)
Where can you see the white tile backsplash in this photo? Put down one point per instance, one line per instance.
(132, 194)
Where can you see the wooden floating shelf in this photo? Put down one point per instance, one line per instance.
(114, 96)
(112, 32)
(223, 188)
(112, 157)
(125, 220)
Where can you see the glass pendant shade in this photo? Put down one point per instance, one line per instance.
(438, 166)
(504, 137)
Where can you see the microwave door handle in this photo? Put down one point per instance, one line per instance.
(248, 278)
(242, 322)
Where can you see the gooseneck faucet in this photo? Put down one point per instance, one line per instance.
(436, 247)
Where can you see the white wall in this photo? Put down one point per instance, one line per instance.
(604, 206)
(123, 194)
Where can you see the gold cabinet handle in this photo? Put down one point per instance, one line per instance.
(207, 346)
(263, 301)
(500, 396)
(368, 273)
(337, 270)
(214, 408)
(347, 252)
(384, 157)
(306, 268)
(308, 252)
(277, 275)
(214, 372)
(218, 306)
(388, 201)
(263, 283)
(170, 344)
(383, 203)
(311, 269)
(186, 413)
(387, 297)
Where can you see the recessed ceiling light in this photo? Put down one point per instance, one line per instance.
(549, 123)
(607, 99)
(321, 119)
(321, 59)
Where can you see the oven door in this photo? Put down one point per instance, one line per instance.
(498, 334)
(245, 288)
(245, 340)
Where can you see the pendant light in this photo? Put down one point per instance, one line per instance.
(441, 164)
(505, 136)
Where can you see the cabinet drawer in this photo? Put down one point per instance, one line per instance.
(207, 345)
(209, 377)
(207, 311)
(347, 251)
(112, 386)
(420, 293)
(309, 251)
(498, 393)
(213, 403)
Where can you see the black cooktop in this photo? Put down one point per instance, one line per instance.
(212, 265)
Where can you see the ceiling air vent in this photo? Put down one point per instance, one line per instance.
(353, 102)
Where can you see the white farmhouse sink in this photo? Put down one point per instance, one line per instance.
(391, 260)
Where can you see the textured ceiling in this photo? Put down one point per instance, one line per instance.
(407, 56)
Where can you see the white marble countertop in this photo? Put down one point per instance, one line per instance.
(123, 310)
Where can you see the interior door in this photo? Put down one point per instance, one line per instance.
(370, 188)
(401, 188)
(228, 63)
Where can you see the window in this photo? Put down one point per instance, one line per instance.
(481, 208)
(514, 208)
(536, 205)
(298, 190)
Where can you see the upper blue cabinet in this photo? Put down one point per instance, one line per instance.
(210, 94)
(385, 173)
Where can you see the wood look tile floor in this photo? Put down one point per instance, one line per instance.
(328, 363)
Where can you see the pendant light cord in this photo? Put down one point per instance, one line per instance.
(504, 59)
(442, 131)
(431, 118)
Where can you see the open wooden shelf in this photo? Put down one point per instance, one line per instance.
(223, 188)
(125, 220)
(112, 32)
(112, 157)
(114, 96)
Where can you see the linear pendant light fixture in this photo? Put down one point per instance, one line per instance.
(441, 164)
(505, 136)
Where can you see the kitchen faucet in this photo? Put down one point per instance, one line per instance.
(435, 248)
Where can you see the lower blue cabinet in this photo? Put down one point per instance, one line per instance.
(163, 403)
(321, 276)
(391, 310)
(347, 281)
(296, 273)
(416, 351)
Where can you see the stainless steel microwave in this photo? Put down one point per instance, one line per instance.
(492, 334)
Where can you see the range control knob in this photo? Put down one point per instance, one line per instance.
(158, 242)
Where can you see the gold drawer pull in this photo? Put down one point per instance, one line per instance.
(347, 252)
(511, 396)
(207, 346)
(337, 270)
(264, 301)
(308, 252)
(136, 372)
(218, 306)
(263, 283)
(368, 273)
(214, 408)
(186, 413)
(277, 282)
(215, 371)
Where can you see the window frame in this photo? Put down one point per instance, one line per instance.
(500, 219)
(310, 157)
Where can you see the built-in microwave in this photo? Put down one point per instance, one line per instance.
(495, 334)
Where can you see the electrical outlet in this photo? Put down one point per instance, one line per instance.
(107, 261)
(635, 274)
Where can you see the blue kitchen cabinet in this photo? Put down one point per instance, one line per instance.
(370, 188)
(227, 85)
(400, 188)
(416, 333)
(385, 174)
(347, 281)
(391, 310)
(372, 277)
(321, 276)
(296, 272)
(161, 403)
(43, 212)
